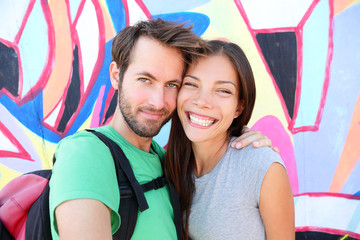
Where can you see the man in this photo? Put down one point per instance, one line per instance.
(149, 60)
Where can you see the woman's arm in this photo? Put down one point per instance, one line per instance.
(83, 219)
(277, 204)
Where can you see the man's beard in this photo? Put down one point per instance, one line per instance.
(149, 128)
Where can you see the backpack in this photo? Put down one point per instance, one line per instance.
(24, 201)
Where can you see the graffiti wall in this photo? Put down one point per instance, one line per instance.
(55, 55)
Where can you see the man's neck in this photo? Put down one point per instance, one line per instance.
(119, 124)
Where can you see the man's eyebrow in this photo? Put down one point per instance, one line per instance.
(149, 75)
(175, 81)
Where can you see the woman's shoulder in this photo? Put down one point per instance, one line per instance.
(254, 158)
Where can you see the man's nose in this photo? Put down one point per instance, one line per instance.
(157, 98)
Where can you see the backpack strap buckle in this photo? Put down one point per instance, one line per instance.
(155, 184)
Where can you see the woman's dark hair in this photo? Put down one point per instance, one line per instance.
(179, 161)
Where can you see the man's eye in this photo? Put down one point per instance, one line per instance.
(173, 85)
(144, 80)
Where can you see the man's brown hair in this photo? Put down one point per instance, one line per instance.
(168, 33)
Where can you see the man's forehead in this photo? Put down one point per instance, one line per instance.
(151, 56)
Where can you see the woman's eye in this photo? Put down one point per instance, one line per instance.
(225, 91)
(189, 84)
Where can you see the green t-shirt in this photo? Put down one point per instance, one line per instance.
(84, 168)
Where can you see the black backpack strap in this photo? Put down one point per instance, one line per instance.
(120, 158)
(130, 203)
(154, 184)
(38, 218)
(175, 202)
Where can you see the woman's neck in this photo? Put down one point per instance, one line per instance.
(208, 154)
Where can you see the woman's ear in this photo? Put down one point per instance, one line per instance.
(114, 75)
(239, 109)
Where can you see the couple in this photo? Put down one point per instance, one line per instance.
(224, 193)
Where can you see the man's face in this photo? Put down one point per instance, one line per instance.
(147, 95)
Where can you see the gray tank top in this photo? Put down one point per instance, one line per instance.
(226, 200)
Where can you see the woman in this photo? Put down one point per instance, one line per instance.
(225, 193)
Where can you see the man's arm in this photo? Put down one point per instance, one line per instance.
(83, 219)
(256, 138)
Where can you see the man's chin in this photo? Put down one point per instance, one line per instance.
(148, 132)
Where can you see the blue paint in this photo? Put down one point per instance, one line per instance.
(34, 47)
(315, 51)
(199, 21)
(318, 153)
(355, 220)
(163, 136)
(352, 184)
(117, 13)
(357, 194)
(30, 115)
(74, 7)
(157, 7)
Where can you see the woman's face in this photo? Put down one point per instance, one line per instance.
(208, 99)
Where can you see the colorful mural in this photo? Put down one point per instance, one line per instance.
(54, 59)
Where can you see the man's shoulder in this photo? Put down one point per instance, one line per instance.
(78, 143)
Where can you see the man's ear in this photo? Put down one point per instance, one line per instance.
(114, 75)
(240, 109)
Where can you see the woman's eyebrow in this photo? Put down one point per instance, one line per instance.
(225, 82)
(191, 76)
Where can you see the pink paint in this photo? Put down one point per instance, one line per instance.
(329, 194)
(96, 112)
(271, 127)
(144, 8)
(328, 230)
(22, 154)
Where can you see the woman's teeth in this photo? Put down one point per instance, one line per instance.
(200, 121)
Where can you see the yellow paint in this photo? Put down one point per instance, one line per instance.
(341, 5)
(227, 22)
(6, 175)
(44, 148)
(346, 236)
(86, 123)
